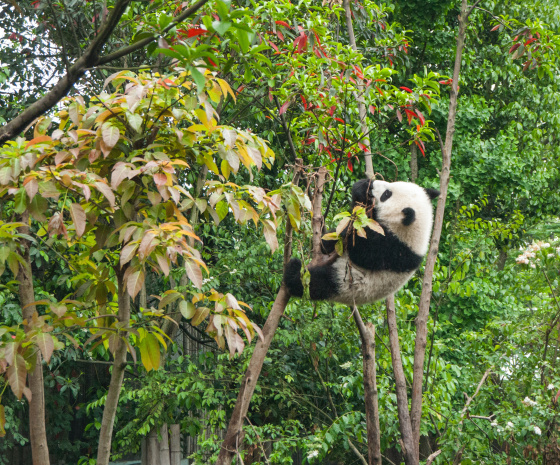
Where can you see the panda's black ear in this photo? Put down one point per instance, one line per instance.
(409, 216)
(432, 193)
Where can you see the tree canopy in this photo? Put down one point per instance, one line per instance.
(161, 160)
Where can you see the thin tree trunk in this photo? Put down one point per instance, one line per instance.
(317, 221)
(413, 162)
(360, 97)
(153, 449)
(424, 306)
(234, 434)
(298, 169)
(164, 458)
(175, 451)
(117, 375)
(400, 386)
(37, 427)
(367, 335)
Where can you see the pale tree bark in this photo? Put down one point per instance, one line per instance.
(424, 306)
(117, 375)
(234, 434)
(360, 97)
(175, 449)
(413, 162)
(164, 458)
(89, 59)
(367, 335)
(400, 386)
(37, 427)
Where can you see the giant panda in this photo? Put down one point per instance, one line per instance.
(374, 267)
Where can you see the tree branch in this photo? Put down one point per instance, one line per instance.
(400, 385)
(89, 59)
(424, 306)
(367, 335)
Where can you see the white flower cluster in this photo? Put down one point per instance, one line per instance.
(523, 259)
(537, 430)
(312, 454)
(346, 365)
(207, 280)
(550, 387)
(529, 402)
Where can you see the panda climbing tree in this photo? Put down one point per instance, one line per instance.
(378, 260)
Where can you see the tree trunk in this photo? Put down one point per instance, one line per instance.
(37, 427)
(400, 386)
(234, 434)
(360, 97)
(413, 162)
(424, 306)
(119, 365)
(175, 451)
(367, 334)
(164, 446)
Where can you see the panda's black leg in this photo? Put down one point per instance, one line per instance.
(292, 277)
(323, 284)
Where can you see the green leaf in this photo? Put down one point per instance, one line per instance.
(150, 352)
(187, 309)
(243, 38)
(199, 78)
(221, 26)
(20, 201)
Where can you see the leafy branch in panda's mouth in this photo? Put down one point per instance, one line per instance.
(356, 222)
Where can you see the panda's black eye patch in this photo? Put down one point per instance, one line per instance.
(409, 216)
(386, 195)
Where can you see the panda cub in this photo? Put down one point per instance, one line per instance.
(374, 267)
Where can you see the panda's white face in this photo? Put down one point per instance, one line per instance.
(406, 210)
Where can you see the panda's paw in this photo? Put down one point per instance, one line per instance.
(292, 277)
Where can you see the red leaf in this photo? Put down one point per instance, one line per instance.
(379, 90)
(283, 23)
(409, 115)
(331, 110)
(420, 145)
(426, 95)
(495, 28)
(421, 116)
(273, 45)
(399, 115)
(340, 120)
(284, 107)
(406, 88)
(529, 41)
(196, 31)
(514, 47)
(371, 109)
(350, 167)
(304, 101)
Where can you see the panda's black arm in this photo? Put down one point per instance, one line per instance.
(365, 252)
(382, 252)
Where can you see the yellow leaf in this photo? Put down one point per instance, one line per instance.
(226, 88)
